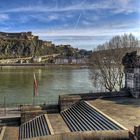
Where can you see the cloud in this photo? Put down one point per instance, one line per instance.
(88, 38)
(123, 5)
(106, 29)
(80, 21)
(47, 18)
(4, 17)
(89, 32)
(53, 17)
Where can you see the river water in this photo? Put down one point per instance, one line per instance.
(16, 84)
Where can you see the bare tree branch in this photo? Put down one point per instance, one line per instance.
(107, 58)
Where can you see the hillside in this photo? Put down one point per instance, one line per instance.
(24, 44)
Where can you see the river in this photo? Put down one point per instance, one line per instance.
(16, 84)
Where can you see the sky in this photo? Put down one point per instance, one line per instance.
(82, 23)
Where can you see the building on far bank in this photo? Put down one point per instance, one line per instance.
(131, 62)
(71, 61)
(36, 59)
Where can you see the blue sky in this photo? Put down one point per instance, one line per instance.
(81, 23)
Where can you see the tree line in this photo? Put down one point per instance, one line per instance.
(106, 61)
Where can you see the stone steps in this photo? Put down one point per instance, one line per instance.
(34, 128)
(82, 117)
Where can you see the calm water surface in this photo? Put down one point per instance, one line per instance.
(16, 84)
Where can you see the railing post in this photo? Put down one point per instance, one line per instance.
(4, 105)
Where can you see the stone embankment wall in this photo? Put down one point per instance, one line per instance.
(30, 112)
(65, 101)
(29, 115)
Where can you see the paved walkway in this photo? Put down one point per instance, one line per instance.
(124, 110)
(11, 133)
(58, 124)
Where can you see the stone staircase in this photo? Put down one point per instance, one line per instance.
(82, 117)
(34, 128)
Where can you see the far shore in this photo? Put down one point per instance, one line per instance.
(45, 65)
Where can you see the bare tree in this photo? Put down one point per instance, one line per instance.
(107, 61)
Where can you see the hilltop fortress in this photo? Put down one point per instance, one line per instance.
(25, 44)
(21, 35)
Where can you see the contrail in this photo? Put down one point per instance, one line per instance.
(77, 21)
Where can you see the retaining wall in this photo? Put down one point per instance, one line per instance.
(65, 101)
(88, 135)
